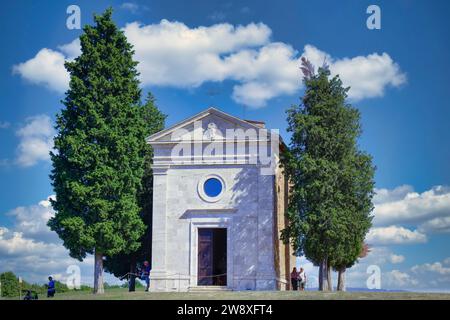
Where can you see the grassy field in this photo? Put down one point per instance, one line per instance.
(123, 294)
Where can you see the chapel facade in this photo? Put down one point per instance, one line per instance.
(219, 204)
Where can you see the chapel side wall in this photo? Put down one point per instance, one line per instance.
(266, 268)
(275, 231)
(284, 258)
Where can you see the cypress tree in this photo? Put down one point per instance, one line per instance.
(332, 181)
(99, 163)
(124, 263)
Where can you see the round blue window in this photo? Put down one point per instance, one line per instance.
(212, 187)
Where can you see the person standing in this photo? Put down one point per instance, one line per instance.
(146, 274)
(51, 288)
(294, 279)
(302, 279)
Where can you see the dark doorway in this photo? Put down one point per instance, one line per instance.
(212, 257)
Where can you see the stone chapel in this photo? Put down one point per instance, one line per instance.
(219, 203)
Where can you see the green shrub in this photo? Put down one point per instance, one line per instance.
(10, 284)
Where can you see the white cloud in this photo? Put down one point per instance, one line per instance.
(436, 267)
(270, 72)
(427, 276)
(436, 225)
(129, 6)
(72, 49)
(357, 275)
(395, 259)
(394, 235)
(133, 7)
(36, 140)
(391, 195)
(175, 55)
(14, 243)
(170, 53)
(31, 221)
(46, 68)
(433, 275)
(30, 249)
(430, 210)
(399, 279)
(35, 261)
(368, 76)
(380, 256)
(405, 217)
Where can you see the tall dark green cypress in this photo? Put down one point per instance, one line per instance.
(124, 263)
(332, 181)
(99, 162)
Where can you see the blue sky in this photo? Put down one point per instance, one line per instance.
(399, 78)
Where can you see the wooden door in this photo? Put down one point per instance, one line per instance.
(205, 257)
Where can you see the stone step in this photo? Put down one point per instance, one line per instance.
(208, 288)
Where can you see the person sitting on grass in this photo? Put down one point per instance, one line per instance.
(28, 295)
(51, 288)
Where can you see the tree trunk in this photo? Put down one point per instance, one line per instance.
(329, 279)
(98, 273)
(323, 276)
(320, 277)
(132, 284)
(341, 279)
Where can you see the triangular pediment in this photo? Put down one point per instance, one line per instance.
(208, 124)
